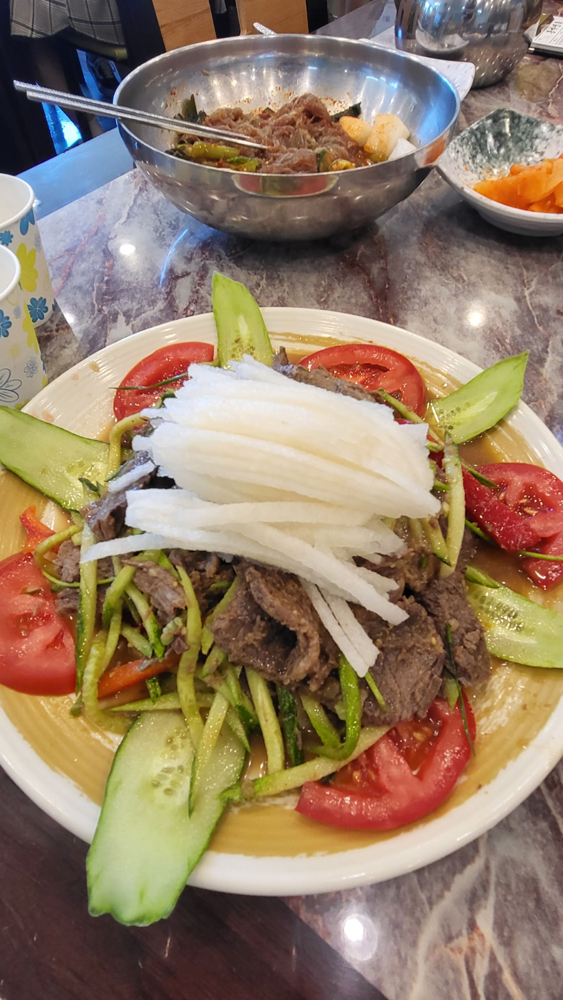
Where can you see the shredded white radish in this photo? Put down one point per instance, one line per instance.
(198, 513)
(288, 475)
(123, 546)
(126, 480)
(350, 625)
(336, 631)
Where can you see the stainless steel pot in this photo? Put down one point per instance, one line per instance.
(255, 71)
(489, 33)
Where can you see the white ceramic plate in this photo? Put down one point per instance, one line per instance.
(81, 400)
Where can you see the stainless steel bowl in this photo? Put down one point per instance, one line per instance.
(254, 72)
(489, 33)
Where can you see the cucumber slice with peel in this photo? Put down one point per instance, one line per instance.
(51, 459)
(482, 402)
(517, 629)
(147, 844)
(240, 324)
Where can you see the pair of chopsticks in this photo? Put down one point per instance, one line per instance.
(117, 111)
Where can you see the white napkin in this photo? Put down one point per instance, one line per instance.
(460, 74)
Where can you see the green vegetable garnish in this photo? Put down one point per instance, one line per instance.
(481, 403)
(240, 324)
(516, 629)
(452, 669)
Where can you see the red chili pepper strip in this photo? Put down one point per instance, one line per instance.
(125, 675)
(35, 530)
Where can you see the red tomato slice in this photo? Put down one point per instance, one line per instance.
(174, 359)
(508, 528)
(36, 644)
(373, 368)
(380, 791)
(35, 530)
(525, 511)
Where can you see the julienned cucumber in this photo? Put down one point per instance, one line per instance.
(50, 458)
(518, 629)
(240, 325)
(146, 844)
(482, 402)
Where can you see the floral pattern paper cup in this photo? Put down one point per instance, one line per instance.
(20, 234)
(22, 373)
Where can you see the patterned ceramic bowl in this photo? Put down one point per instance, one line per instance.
(487, 149)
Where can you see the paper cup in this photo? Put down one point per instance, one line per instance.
(22, 373)
(19, 233)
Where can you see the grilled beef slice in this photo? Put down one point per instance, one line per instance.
(67, 562)
(166, 593)
(319, 377)
(271, 626)
(409, 666)
(66, 601)
(293, 134)
(413, 571)
(205, 569)
(106, 516)
(446, 600)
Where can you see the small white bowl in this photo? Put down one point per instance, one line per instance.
(488, 149)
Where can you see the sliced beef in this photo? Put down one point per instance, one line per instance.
(271, 625)
(105, 568)
(208, 573)
(66, 601)
(139, 459)
(294, 134)
(106, 516)
(468, 549)
(320, 378)
(413, 570)
(292, 161)
(282, 597)
(252, 639)
(67, 562)
(446, 600)
(409, 666)
(161, 586)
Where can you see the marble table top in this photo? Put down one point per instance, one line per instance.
(486, 922)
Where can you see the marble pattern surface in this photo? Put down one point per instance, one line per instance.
(486, 922)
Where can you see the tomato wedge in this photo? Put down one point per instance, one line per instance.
(174, 359)
(36, 644)
(373, 368)
(380, 790)
(523, 511)
(35, 530)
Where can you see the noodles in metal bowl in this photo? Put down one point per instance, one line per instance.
(254, 72)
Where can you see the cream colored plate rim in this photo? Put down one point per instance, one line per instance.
(80, 399)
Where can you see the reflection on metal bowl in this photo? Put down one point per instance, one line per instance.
(253, 72)
(488, 33)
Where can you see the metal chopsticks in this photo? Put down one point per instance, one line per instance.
(90, 106)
